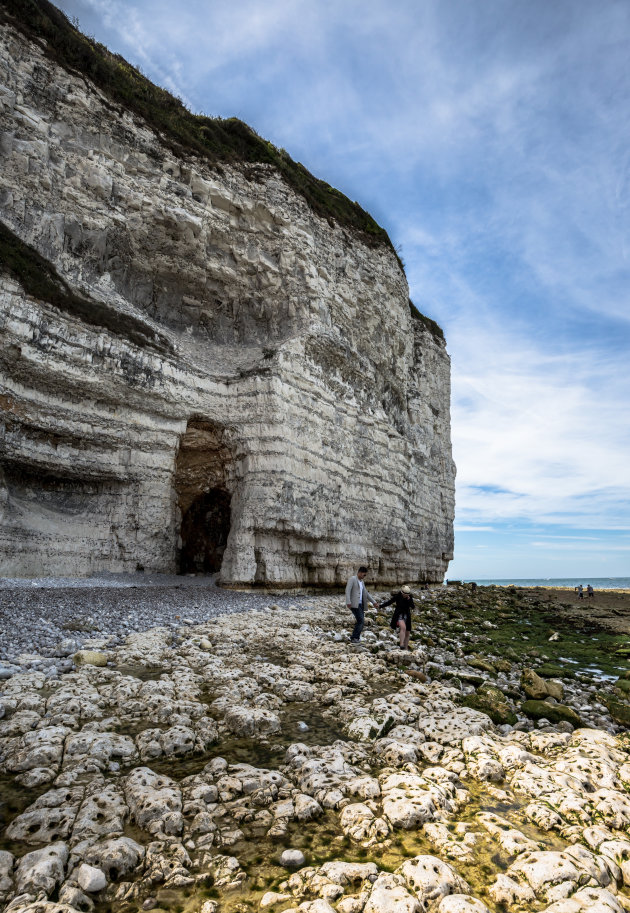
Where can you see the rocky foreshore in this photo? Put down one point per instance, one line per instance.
(44, 621)
(257, 760)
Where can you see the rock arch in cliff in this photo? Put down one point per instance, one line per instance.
(203, 470)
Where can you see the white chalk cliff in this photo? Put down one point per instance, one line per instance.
(226, 379)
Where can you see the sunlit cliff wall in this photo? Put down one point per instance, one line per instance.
(211, 337)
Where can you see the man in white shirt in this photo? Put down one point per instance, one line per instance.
(357, 598)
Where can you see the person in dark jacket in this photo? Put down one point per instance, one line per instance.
(401, 619)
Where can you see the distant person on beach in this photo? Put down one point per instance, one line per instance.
(357, 598)
(401, 619)
(580, 591)
(590, 592)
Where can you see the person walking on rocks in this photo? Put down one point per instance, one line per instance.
(357, 598)
(401, 618)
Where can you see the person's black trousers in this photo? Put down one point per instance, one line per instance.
(359, 614)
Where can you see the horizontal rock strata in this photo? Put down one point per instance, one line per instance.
(210, 355)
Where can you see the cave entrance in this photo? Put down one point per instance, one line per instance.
(202, 484)
(204, 533)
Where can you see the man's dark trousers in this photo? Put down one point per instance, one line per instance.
(359, 614)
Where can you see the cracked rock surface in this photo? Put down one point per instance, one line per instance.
(208, 768)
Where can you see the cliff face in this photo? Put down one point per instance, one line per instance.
(224, 379)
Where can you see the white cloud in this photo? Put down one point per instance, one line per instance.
(537, 438)
(460, 528)
(605, 547)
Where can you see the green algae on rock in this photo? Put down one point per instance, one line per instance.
(619, 710)
(555, 713)
(491, 700)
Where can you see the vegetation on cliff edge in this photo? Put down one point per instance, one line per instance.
(434, 328)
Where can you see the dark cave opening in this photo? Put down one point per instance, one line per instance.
(204, 499)
(204, 533)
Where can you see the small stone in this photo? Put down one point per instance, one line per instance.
(66, 647)
(208, 906)
(271, 898)
(533, 685)
(90, 658)
(292, 859)
(91, 879)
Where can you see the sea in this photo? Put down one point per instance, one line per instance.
(598, 583)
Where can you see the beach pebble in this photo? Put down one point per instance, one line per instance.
(292, 859)
(90, 658)
(90, 878)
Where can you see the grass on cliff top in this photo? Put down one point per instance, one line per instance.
(39, 279)
(434, 328)
(217, 139)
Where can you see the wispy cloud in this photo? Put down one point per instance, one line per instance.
(539, 436)
(459, 528)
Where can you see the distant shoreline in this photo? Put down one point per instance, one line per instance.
(619, 584)
(609, 609)
(550, 586)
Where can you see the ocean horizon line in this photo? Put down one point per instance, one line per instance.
(602, 583)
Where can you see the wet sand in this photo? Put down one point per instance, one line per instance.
(608, 610)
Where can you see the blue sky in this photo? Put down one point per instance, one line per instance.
(490, 139)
